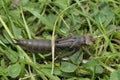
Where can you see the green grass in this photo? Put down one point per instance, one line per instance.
(49, 19)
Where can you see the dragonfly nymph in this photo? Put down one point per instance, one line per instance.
(36, 46)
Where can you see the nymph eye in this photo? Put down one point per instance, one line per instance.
(89, 40)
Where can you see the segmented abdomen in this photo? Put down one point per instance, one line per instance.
(35, 45)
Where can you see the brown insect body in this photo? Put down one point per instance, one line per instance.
(60, 44)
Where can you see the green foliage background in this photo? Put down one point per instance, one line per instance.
(35, 19)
